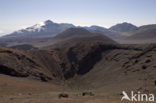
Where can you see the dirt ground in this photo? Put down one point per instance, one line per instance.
(24, 90)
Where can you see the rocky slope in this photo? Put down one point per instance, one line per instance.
(112, 68)
(24, 64)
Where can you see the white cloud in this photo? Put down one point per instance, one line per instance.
(1, 31)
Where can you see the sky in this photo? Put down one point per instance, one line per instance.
(18, 14)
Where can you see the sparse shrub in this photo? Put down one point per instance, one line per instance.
(144, 67)
(87, 94)
(63, 95)
(148, 61)
(155, 82)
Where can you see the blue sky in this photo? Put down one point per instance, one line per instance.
(17, 14)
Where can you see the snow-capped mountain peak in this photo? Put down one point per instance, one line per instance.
(36, 28)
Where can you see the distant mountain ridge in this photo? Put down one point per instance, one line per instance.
(144, 32)
(105, 31)
(72, 31)
(123, 27)
(77, 35)
(47, 28)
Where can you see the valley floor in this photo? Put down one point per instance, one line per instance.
(24, 90)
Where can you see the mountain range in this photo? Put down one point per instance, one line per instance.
(49, 33)
(49, 29)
